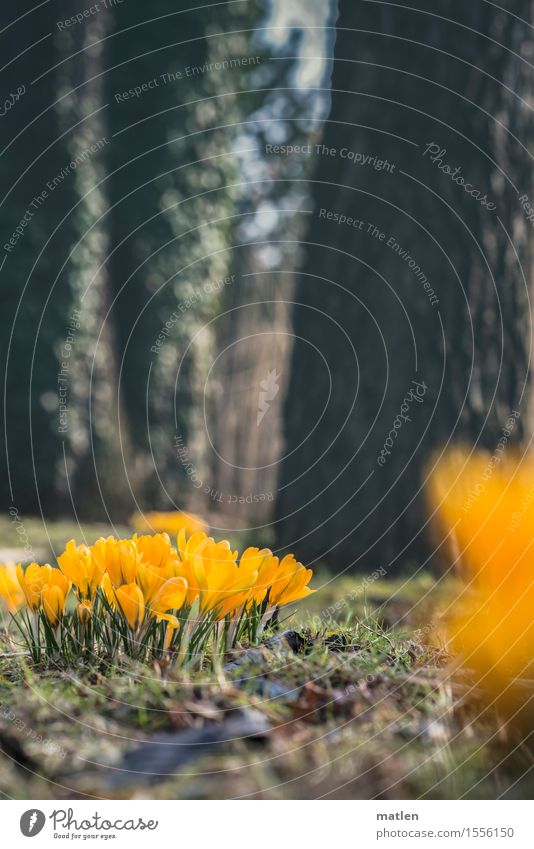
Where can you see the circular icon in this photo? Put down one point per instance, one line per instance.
(32, 822)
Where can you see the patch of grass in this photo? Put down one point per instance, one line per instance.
(355, 707)
(47, 539)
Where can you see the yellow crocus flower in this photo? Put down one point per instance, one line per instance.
(32, 582)
(223, 587)
(155, 549)
(187, 545)
(158, 584)
(265, 564)
(56, 578)
(170, 596)
(53, 601)
(80, 567)
(290, 582)
(163, 595)
(185, 569)
(36, 577)
(118, 557)
(215, 555)
(149, 579)
(212, 574)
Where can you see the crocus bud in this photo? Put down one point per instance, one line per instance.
(84, 611)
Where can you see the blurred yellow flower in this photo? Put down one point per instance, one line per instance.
(484, 507)
(170, 522)
(10, 590)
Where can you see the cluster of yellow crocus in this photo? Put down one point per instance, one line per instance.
(148, 588)
(485, 505)
(44, 588)
(214, 577)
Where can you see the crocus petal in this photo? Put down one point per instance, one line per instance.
(53, 604)
(170, 596)
(130, 602)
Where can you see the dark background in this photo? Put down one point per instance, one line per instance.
(186, 323)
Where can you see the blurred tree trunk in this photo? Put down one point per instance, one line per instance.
(170, 204)
(98, 458)
(251, 375)
(412, 321)
(36, 298)
(254, 331)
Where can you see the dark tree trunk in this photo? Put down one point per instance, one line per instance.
(400, 314)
